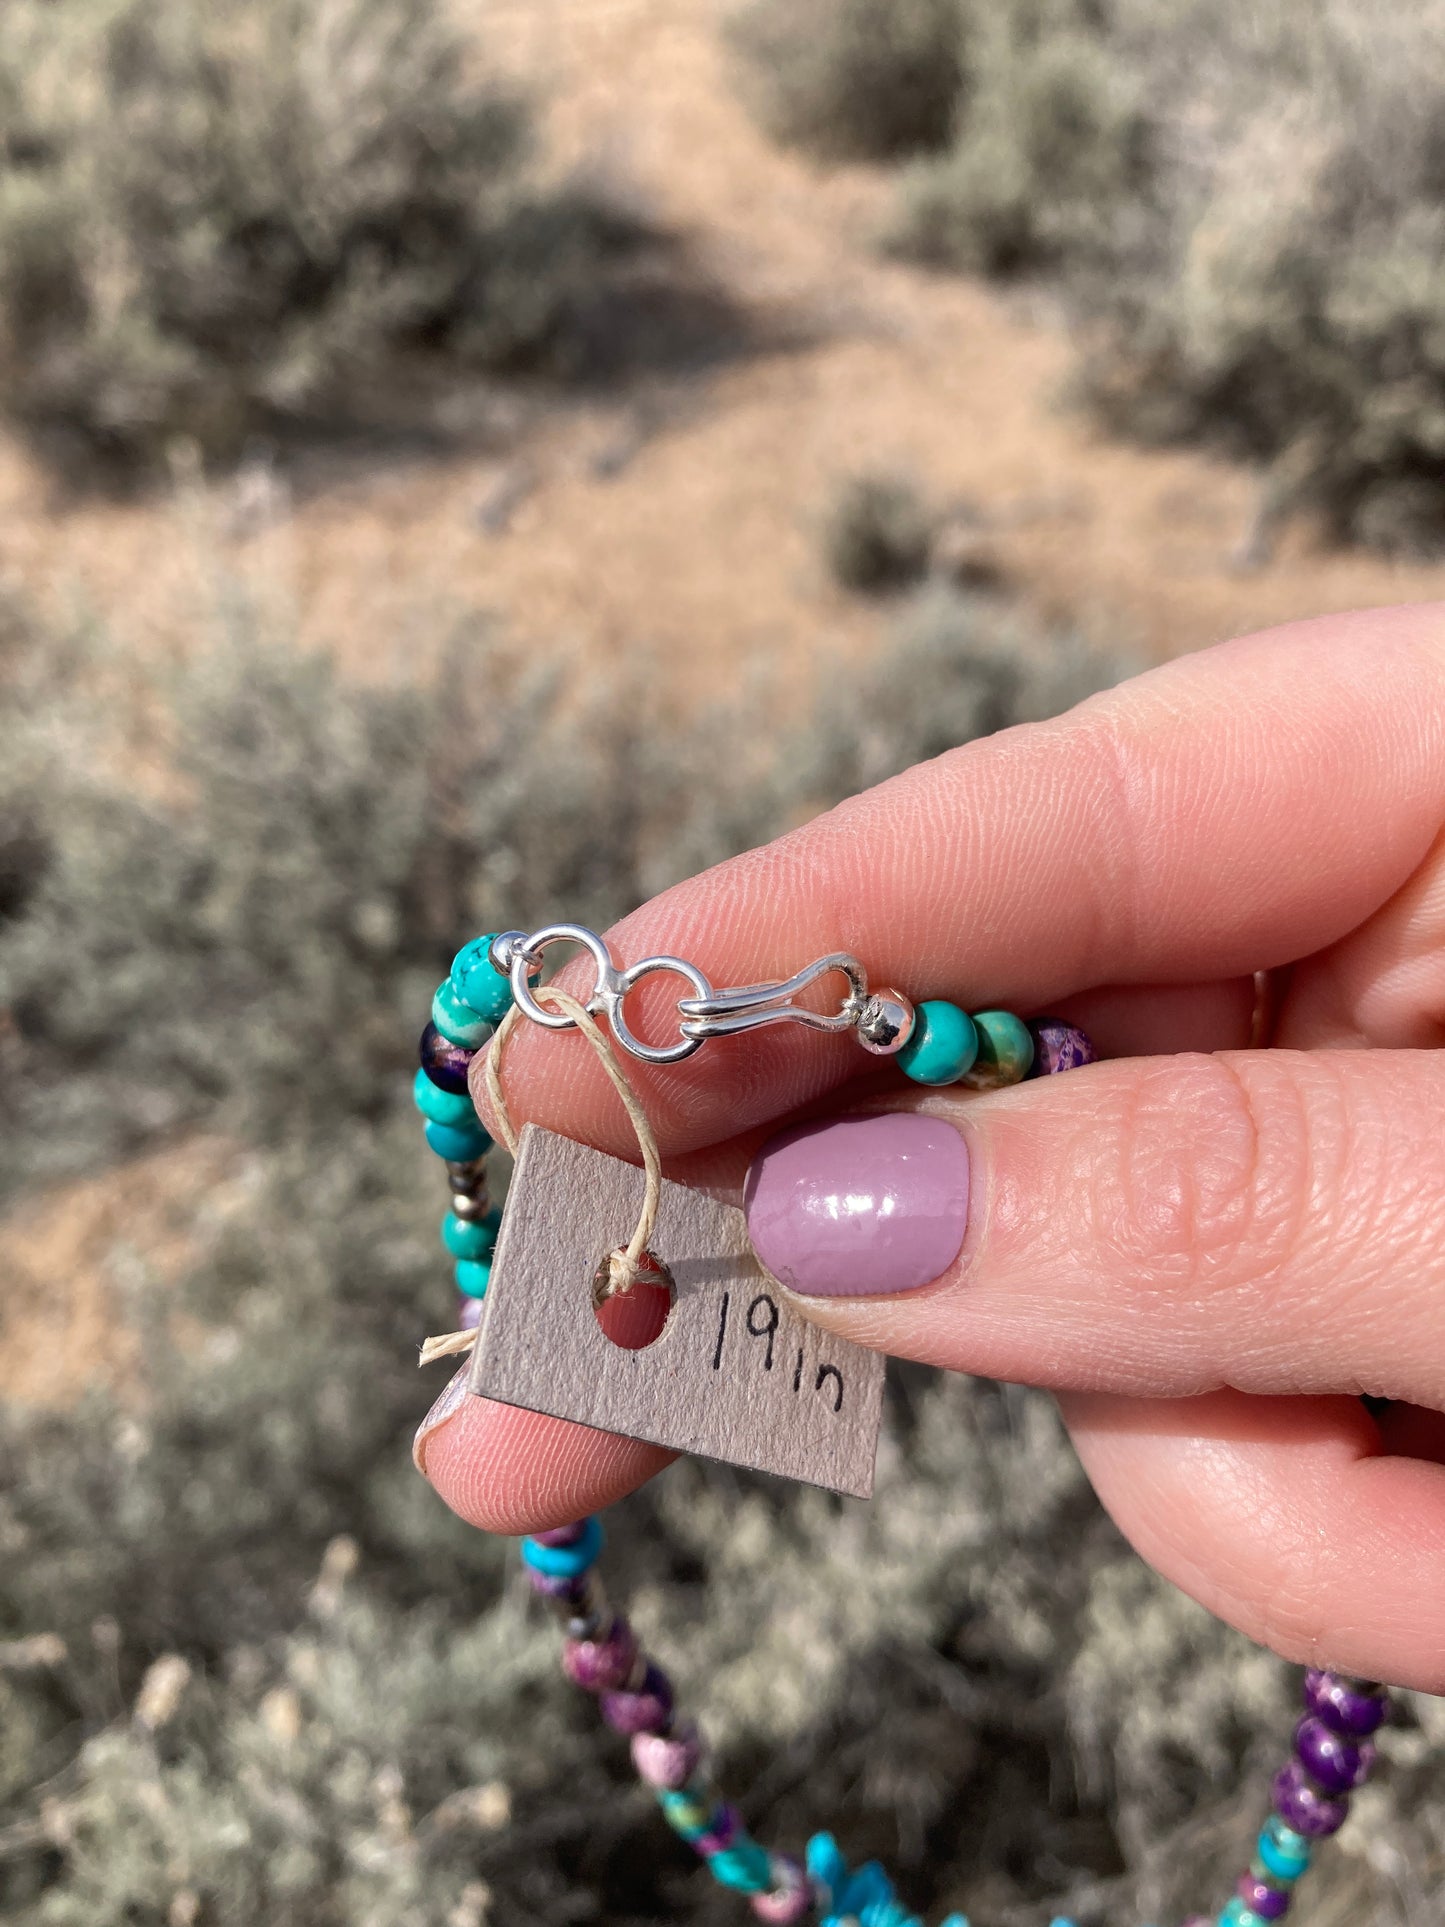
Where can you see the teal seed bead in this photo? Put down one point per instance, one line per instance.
(565, 1562)
(744, 1866)
(458, 1022)
(458, 1143)
(1236, 1914)
(688, 1810)
(473, 1275)
(1283, 1852)
(439, 1106)
(1005, 1051)
(478, 982)
(943, 1046)
(470, 1237)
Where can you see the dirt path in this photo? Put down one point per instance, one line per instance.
(685, 525)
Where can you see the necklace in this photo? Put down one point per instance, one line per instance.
(817, 1421)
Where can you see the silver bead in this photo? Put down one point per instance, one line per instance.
(466, 1177)
(885, 1023)
(471, 1206)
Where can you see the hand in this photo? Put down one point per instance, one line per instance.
(1208, 1252)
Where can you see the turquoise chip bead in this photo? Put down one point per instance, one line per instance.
(478, 982)
(457, 1143)
(1283, 1852)
(473, 1275)
(744, 1866)
(943, 1046)
(1005, 1051)
(439, 1106)
(1236, 1914)
(688, 1813)
(457, 1021)
(470, 1237)
(565, 1562)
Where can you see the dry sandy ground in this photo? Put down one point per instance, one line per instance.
(679, 519)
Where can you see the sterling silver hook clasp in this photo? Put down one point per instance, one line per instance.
(882, 1022)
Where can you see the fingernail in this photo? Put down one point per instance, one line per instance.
(445, 1408)
(861, 1206)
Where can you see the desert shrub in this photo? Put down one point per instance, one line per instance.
(1048, 163)
(249, 1669)
(877, 533)
(853, 79)
(241, 217)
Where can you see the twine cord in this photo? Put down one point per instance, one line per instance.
(624, 1265)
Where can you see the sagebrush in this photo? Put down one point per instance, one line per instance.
(1240, 203)
(248, 217)
(251, 1672)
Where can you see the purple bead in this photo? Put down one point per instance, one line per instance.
(1332, 1761)
(668, 1759)
(444, 1063)
(647, 1710)
(561, 1535)
(1355, 1715)
(469, 1314)
(1269, 1902)
(1303, 1807)
(723, 1828)
(552, 1587)
(599, 1665)
(1058, 1047)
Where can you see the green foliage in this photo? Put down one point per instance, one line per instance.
(877, 534)
(853, 79)
(252, 215)
(250, 1670)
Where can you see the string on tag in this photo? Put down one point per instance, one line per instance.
(624, 1265)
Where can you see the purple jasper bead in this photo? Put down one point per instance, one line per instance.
(1058, 1047)
(722, 1829)
(599, 1665)
(553, 1586)
(668, 1760)
(561, 1535)
(1270, 1903)
(444, 1063)
(1332, 1761)
(1355, 1715)
(1303, 1807)
(646, 1710)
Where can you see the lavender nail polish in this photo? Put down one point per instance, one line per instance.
(860, 1206)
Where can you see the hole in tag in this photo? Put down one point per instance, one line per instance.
(634, 1319)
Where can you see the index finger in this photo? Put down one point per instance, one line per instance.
(1228, 812)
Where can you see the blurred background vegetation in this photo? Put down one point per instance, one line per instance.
(447, 459)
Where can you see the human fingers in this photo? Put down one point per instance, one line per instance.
(507, 1470)
(1292, 1518)
(1267, 1221)
(1227, 812)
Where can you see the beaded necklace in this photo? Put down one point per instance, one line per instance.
(491, 986)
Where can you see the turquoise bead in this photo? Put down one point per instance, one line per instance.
(943, 1046)
(743, 1866)
(1283, 1852)
(473, 1275)
(439, 1106)
(478, 982)
(565, 1562)
(470, 1237)
(688, 1810)
(1236, 1914)
(1005, 1051)
(458, 1022)
(457, 1143)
